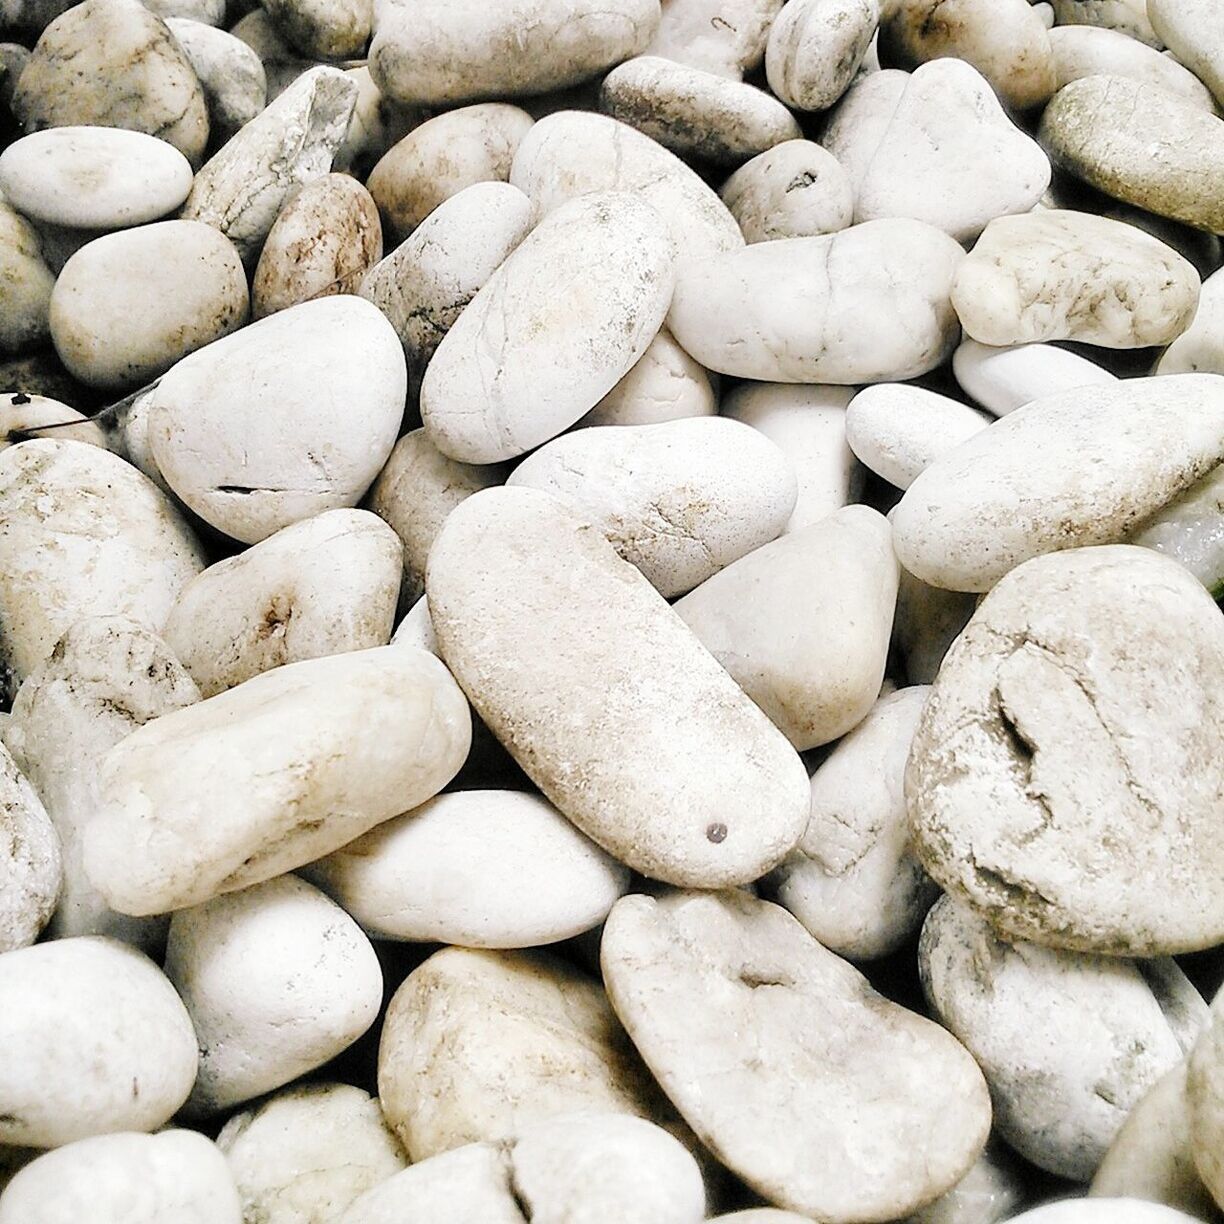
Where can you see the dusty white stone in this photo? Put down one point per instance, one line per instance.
(859, 122)
(853, 880)
(308, 1152)
(694, 112)
(94, 177)
(723, 36)
(282, 63)
(1062, 778)
(324, 29)
(1068, 1043)
(442, 157)
(106, 676)
(277, 980)
(665, 384)
(291, 416)
(95, 1040)
(1081, 51)
(634, 746)
(28, 283)
(20, 412)
(416, 629)
(1104, 1211)
(1205, 1103)
(1003, 379)
(551, 331)
(114, 64)
(272, 774)
(1126, 16)
(836, 1078)
(130, 304)
(797, 189)
(84, 534)
(1055, 274)
(572, 153)
(477, 1044)
(1190, 529)
(1081, 467)
(126, 1179)
(324, 240)
(416, 490)
(792, 310)
(1190, 29)
(231, 74)
(991, 1191)
(815, 49)
(438, 51)
(803, 624)
(1200, 348)
(681, 500)
(1004, 40)
(898, 430)
(428, 280)
(480, 868)
(242, 187)
(808, 423)
(928, 620)
(31, 865)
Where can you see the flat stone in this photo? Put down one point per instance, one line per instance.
(1056, 274)
(94, 177)
(1063, 766)
(786, 1063)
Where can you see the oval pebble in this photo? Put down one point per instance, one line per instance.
(231, 74)
(94, 177)
(31, 866)
(723, 36)
(815, 49)
(1005, 378)
(28, 284)
(480, 868)
(20, 412)
(665, 384)
(1129, 17)
(633, 746)
(1187, 30)
(1200, 348)
(1103, 1211)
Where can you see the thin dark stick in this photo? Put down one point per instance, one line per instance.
(105, 417)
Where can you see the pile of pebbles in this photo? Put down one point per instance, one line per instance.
(608, 611)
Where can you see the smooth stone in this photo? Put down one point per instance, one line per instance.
(927, 621)
(330, 382)
(439, 52)
(272, 775)
(128, 305)
(241, 189)
(323, 242)
(681, 500)
(180, 1176)
(1200, 348)
(85, 534)
(478, 1044)
(1064, 764)
(991, 1191)
(552, 330)
(1152, 1155)
(106, 676)
(94, 177)
(324, 586)
(210, 13)
(307, 1152)
(1081, 467)
(808, 424)
(835, 1079)
(694, 112)
(1189, 529)
(793, 310)
(1083, 51)
(898, 430)
(277, 980)
(114, 64)
(1191, 31)
(858, 123)
(814, 664)
(665, 384)
(635, 747)
(853, 880)
(416, 629)
(324, 29)
(95, 1039)
(282, 64)
(1002, 379)
(816, 47)
(426, 282)
(1205, 1103)
(1126, 16)
(416, 490)
(442, 157)
(723, 36)
(571, 153)
(377, 125)
(1022, 1009)
(31, 865)
(480, 868)
(28, 283)
(950, 156)
(797, 189)
(1104, 1211)
(1003, 39)
(1055, 274)
(761, 1215)
(1142, 144)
